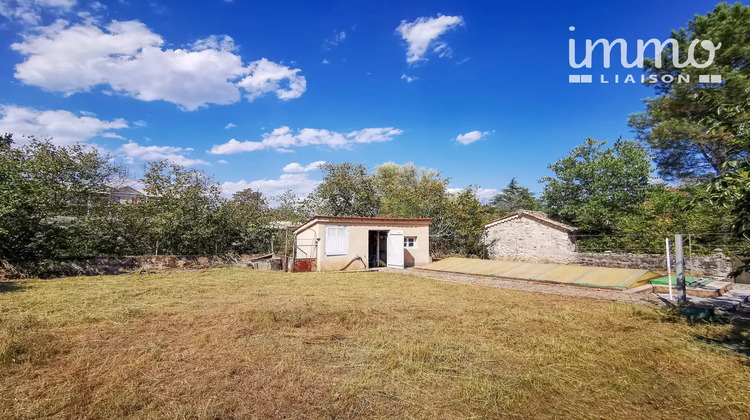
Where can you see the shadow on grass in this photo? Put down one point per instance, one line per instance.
(736, 340)
(9, 286)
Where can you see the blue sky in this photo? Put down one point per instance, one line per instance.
(245, 89)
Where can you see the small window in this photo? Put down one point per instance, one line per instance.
(410, 241)
(337, 240)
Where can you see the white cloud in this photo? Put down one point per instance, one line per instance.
(173, 154)
(222, 161)
(267, 76)
(483, 194)
(63, 126)
(296, 167)
(300, 183)
(423, 31)
(128, 57)
(230, 125)
(325, 61)
(140, 123)
(30, 12)
(409, 79)
(215, 42)
(333, 42)
(283, 139)
(471, 136)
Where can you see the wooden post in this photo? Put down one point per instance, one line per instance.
(680, 268)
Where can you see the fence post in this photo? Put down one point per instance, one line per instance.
(680, 268)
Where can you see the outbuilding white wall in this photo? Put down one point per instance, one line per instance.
(357, 257)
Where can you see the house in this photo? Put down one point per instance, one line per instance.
(331, 243)
(126, 195)
(530, 235)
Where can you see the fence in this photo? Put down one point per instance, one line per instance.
(706, 254)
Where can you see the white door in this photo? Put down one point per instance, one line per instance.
(396, 248)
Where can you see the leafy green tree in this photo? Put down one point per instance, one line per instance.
(694, 128)
(245, 223)
(184, 209)
(731, 190)
(408, 191)
(514, 197)
(594, 187)
(458, 230)
(289, 208)
(346, 190)
(49, 196)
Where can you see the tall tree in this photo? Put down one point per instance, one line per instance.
(694, 128)
(48, 197)
(346, 190)
(732, 191)
(514, 197)
(408, 191)
(593, 186)
(184, 207)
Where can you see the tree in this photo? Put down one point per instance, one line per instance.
(694, 128)
(732, 190)
(513, 198)
(458, 230)
(184, 209)
(408, 191)
(49, 196)
(244, 223)
(594, 187)
(346, 190)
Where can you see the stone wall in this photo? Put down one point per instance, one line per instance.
(118, 265)
(715, 266)
(526, 239)
(523, 238)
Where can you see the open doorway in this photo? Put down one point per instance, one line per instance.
(377, 245)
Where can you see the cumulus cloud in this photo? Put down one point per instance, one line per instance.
(30, 11)
(296, 167)
(63, 126)
(284, 138)
(423, 31)
(266, 76)
(471, 136)
(173, 154)
(230, 125)
(129, 58)
(300, 183)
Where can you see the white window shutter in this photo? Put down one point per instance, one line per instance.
(337, 240)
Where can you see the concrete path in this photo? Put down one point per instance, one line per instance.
(538, 287)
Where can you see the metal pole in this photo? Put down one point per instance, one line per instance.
(669, 271)
(680, 268)
(690, 253)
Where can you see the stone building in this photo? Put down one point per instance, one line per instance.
(530, 236)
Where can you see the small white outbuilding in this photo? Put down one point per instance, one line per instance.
(333, 243)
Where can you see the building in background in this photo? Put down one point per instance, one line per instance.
(530, 236)
(332, 243)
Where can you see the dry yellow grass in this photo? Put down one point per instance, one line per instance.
(248, 344)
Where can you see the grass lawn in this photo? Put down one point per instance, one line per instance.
(242, 343)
